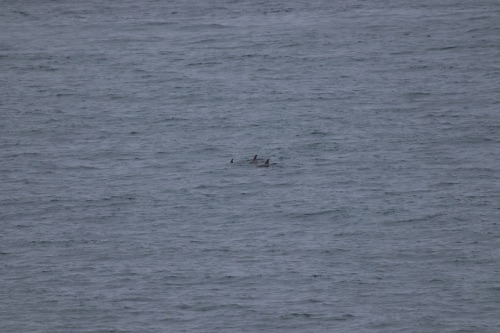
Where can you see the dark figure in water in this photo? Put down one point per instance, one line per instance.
(265, 165)
(254, 159)
(231, 161)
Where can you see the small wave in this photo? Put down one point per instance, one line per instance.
(296, 315)
(204, 27)
(416, 219)
(159, 23)
(444, 48)
(210, 63)
(19, 12)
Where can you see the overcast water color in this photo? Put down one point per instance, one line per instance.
(120, 211)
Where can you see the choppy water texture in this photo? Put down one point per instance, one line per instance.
(120, 211)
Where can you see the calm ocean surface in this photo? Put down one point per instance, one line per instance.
(120, 211)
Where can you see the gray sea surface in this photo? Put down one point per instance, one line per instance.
(120, 211)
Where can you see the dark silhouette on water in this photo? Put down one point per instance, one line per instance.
(265, 165)
(255, 160)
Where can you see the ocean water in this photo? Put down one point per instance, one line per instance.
(120, 211)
